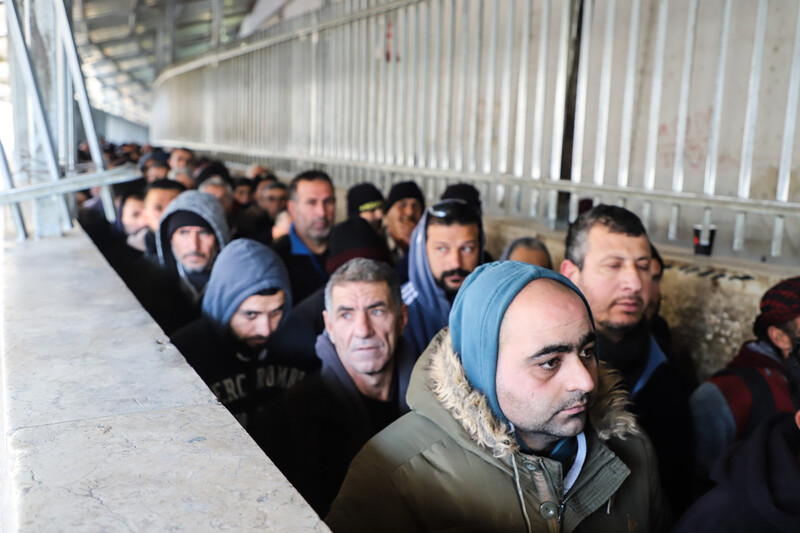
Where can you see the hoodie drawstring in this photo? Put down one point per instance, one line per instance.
(520, 496)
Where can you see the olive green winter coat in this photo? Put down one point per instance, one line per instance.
(450, 465)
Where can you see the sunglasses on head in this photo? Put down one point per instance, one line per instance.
(452, 208)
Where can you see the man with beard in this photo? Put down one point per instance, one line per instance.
(728, 407)
(312, 205)
(446, 246)
(514, 425)
(608, 256)
(191, 233)
(245, 347)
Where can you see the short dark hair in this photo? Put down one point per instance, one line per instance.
(243, 182)
(272, 291)
(308, 175)
(361, 269)
(165, 184)
(657, 258)
(453, 211)
(614, 218)
(532, 243)
(276, 185)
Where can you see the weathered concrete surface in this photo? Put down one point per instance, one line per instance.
(709, 302)
(104, 425)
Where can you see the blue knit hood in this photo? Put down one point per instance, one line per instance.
(243, 268)
(478, 311)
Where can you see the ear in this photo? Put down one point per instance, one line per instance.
(290, 206)
(327, 323)
(570, 270)
(404, 318)
(780, 339)
(797, 419)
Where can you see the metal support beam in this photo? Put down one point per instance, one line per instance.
(33, 92)
(79, 83)
(16, 212)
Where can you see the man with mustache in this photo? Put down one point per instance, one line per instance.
(514, 425)
(314, 430)
(608, 256)
(446, 246)
(246, 347)
(312, 205)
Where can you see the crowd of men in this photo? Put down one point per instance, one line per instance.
(403, 380)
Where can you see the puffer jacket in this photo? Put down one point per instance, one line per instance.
(450, 465)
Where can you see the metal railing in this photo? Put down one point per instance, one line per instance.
(628, 103)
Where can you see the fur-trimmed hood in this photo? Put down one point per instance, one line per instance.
(440, 373)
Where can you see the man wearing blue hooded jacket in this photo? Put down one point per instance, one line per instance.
(246, 347)
(515, 425)
(446, 246)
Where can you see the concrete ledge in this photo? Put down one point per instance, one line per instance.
(104, 425)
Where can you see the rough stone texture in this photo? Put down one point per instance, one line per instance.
(105, 427)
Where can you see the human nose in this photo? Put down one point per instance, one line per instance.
(631, 278)
(577, 374)
(263, 326)
(363, 328)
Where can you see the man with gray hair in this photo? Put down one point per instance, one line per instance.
(360, 389)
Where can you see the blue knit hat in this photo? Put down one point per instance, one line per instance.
(478, 312)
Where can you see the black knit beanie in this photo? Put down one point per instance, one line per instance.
(352, 238)
(178, 219)
(363, 197)
(404, 189)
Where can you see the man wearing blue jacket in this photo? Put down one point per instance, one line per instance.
(246, 347)
(446, 246)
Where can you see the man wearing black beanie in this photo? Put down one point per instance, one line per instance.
(366, 201)
(403, 209)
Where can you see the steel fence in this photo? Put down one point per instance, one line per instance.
(683, 112)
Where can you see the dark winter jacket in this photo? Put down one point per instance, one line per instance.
(731, 404)
(306, 270)
(758, 484)
(451, 465)
(314, 430)
(244, 380)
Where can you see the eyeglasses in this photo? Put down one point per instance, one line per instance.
(453, 208)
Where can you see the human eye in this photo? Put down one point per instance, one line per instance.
(442, 249)
(643, 265)
(468, 249)
(346, 315)
(587, 353)
(250, 315)
(378, 311)
(551, 364)
(276, 312)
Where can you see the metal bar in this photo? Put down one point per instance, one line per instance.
(37, 107)
(394, 130)
(436, 53)
(522, 92)
(447, 31)
(411, 88)
(751, 113)
(16, 212)
(373, 91)
(505, 93)
(475, 89)
(605, 95)
(683, 113)
(488, 119)
(559, 104)
(580, 104)
(537, 148)
(655, 105)
(461, 95)
(424, 19)
(380, 89)
(68, 185)
(716, 118)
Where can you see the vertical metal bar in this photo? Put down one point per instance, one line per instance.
(655, 105)
(216, 22)
(683, 113)
(537, 148)
(436, 53)
(381, 89)
(349, 118)
(461, 95)
(605, 95)
(488, 119)
(411, 87)
(448, 35)
(37, 107)
(399, 73)
(559, 104)
(16, 212)
(751, 113)
(475, 89)
(424, 33)
(373, 90)
(505, 92)
(716, 116)
(580, 105)
(391, 88)
(364, 77)
(522, 92)
(785, 167)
